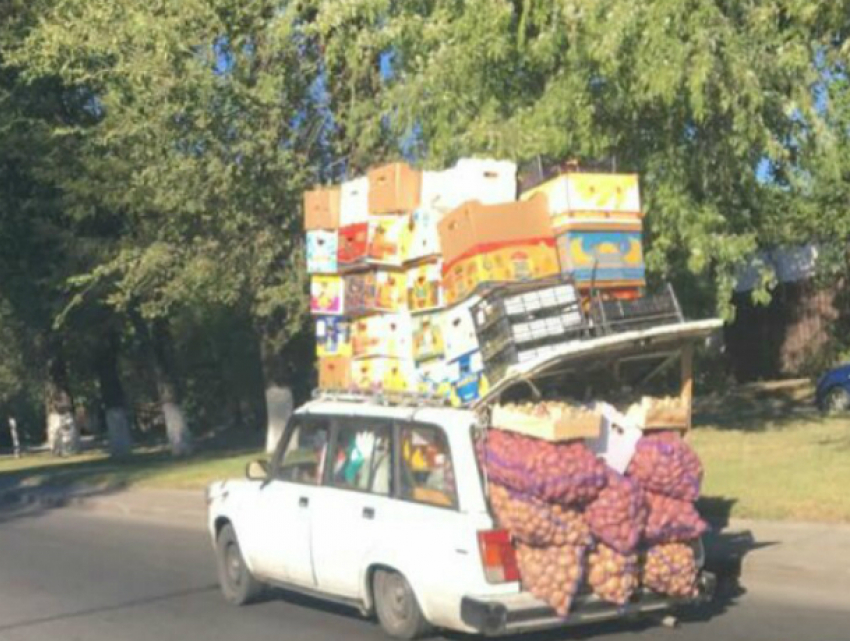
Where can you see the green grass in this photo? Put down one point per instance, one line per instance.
(767, 454)
(152, 467)
(799, 470)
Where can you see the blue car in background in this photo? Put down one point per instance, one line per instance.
(833, 390)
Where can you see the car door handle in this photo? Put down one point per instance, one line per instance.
(368, 513)
(303, 501)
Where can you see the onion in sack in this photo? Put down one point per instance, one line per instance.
(670, 520)
(612, 576)
(618, 514)
(552, 574)
(665, 464)
(567, 473)
(670, 569)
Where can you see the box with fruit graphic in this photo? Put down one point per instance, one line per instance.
(383, 335)
(382, 374)
(424, 289)
(428, 337)
(333, 337)
(327, 295)
(322, 249)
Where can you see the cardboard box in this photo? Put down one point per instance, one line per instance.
(327, 295)
(424, 287)
(321, 208)
(381, 374)
(432, 378)
(335, 372)
(509, 263)
(353, 245)
(467, 378)
(474, 228)
(590, 192)
(485, 180)
(322, 249)
(383, 335)
(556, 424)
(459, 335)
(354, 202)
(438, 191)
(375, 290)
(424, 238)
(607, 258)
(333, 337)
(383, 240)
(394, 189)
(428, 341)
(388, 240)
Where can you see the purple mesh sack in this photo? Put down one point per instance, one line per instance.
(665, 464)
(670, 520)
(536, 522)
(618, 514)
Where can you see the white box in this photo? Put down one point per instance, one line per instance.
(617, 439)
(488, 181)
(354, 202)
(459, 334)
(590, 193)
(438, 191)
(424, 240)
(322, 247)
(388, 335)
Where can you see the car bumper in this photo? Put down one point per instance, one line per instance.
(523, 612)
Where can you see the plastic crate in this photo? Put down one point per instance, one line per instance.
(548, 310)
(496, 366)
(613, 316)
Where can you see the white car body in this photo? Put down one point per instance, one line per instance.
(328, 541)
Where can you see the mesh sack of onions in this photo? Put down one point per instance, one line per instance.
(612, 576)
(670, 568)
(552, 574)
(567, 473)
(665, 464)
(618, 514)
(670, 520)
(535, 522)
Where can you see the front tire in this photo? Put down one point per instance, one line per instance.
(234, 577)
(395, 603)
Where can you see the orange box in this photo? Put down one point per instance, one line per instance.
(335, 372)
(474, 228)
(321, 208)
(394, 189)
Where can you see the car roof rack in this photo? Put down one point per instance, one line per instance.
(389, 399)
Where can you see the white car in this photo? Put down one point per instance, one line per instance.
(383, 508)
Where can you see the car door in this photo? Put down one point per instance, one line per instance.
(282, 520)
(355, 503)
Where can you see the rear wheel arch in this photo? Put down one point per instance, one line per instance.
(369, 586)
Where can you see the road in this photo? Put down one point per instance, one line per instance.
(71, 575)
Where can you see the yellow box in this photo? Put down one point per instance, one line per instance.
(506, 263)
(425, 287)
(327, 295)
(383, 374)
(578, 192)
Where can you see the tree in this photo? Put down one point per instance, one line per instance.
(200, 148)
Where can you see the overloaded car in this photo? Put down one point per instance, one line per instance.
(385, 508)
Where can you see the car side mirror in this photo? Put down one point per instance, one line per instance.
(257, 470)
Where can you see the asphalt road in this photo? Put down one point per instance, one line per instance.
(71, 575)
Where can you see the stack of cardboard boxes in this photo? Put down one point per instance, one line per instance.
(399, 258)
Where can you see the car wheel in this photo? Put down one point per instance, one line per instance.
(237, 584)
(836, 401)
(396, 605)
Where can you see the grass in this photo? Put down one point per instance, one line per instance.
(149, 467)
(767, 454)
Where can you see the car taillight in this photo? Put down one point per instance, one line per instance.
(498, 556)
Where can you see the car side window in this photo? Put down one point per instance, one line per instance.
(303, 457)
(426, 470)
(362, 458)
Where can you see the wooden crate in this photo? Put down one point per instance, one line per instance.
(576, 423)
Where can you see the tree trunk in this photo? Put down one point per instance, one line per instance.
(279, 402)
(114, 400)
(179, 437)
(63, 434)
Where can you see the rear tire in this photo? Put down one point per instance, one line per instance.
(836, 401)
(234, 577)
(395, 603)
